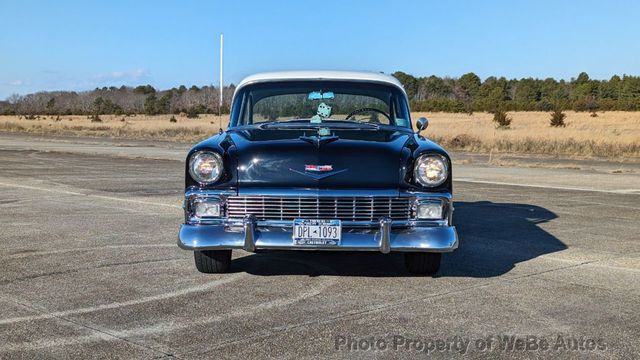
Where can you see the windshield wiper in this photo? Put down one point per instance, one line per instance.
(331, 124)
(350, 124)
(294, 125)
(267, 124)
(283, 124)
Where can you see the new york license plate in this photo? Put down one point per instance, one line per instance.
(316, 232)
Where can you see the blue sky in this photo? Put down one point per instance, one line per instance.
(78, 45)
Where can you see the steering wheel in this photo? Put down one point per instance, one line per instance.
(366, 109)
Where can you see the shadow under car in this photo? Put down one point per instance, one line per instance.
(494, 237)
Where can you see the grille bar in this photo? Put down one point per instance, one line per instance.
(346, 208)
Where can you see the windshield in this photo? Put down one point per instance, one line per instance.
(320, 102)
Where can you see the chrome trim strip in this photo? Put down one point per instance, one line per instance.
(195, 191)
(318, 192)
(285, 224)
(318, 176)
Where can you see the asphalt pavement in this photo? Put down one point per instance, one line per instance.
(548, 266)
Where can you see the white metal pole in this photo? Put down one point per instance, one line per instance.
(221, 79)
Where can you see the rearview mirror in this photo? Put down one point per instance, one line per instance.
(422, 123)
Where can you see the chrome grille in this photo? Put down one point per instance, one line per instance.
(359, 208)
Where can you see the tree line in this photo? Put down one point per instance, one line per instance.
(144, 99)
(467, 93)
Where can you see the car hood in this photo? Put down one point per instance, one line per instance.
(301, 159)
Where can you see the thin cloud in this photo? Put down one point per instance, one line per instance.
(17, 83)
(123, 75)
(53, 80)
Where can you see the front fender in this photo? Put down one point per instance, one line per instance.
(414, 148)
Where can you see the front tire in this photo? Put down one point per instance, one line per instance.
(422, 263)
(212, 261)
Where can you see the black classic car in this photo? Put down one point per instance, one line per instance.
(317, 160)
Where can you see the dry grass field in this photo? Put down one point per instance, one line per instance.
(610, 134)
(135, 126)
(614, 134)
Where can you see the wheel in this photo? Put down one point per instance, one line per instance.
(212, 261)
(423, 263)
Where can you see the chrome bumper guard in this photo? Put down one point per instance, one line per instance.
(250, 237)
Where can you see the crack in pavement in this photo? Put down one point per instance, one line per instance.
(162, 328)
(199, 288)
(375, 309)
(555, 187)
(71, 271)
(107, 335)
(75, 193)
(29, 253)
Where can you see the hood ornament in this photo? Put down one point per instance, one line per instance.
(318, 140)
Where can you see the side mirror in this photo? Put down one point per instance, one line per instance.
(422, 123)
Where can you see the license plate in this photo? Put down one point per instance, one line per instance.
(316, 232)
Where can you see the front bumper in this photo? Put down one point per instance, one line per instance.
(248, 235)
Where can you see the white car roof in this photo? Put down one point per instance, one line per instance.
(321, 75)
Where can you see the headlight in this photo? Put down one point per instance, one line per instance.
(205, 207)
(205, 167)
(430, 210)
(431, 170)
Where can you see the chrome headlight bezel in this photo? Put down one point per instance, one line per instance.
(197, 159)
(194, 201)
(434, 159)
